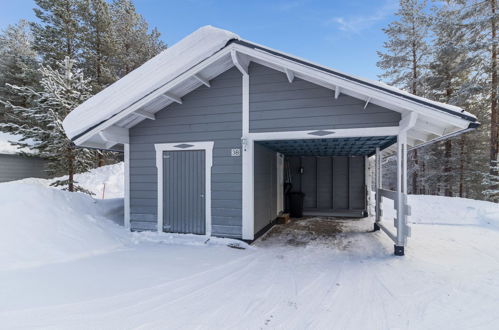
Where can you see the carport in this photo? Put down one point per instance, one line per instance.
(333, 173)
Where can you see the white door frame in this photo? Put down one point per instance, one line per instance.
(207, 146)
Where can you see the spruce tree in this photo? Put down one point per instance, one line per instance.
(406, 57)
(450, 70)
(18, 66)
(62, 90)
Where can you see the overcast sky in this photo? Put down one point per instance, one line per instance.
(344, 35)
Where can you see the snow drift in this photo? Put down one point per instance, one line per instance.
(442, 210)
(43, 225)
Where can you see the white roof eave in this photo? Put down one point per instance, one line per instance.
(447, 121)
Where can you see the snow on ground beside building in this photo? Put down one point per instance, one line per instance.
(42, 225)
(105, 182)
(65, 263)
(442, 210)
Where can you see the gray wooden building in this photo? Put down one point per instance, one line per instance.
(212, 128)
(15, 165)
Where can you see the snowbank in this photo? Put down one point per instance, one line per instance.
(41, 225)
(442, 210)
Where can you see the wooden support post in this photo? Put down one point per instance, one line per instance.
(401, 220)
(378, 181)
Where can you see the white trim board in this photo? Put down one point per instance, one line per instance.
(127, 186)
(335, 133)
(207, 146)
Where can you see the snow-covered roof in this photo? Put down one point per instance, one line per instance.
(103, 120)
(7, 146)
(162, 68)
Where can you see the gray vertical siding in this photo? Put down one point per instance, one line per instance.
(184, 191)
(277, 105)
(330, 183)
(215, 114)
(207, 114)
(16, 167)
(265, 186)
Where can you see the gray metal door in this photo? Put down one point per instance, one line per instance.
(184, 192)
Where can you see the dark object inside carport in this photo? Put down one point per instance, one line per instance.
(296, 204)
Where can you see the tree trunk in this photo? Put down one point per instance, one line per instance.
(493, 96)
(423, 189)
(100, 160)
(448, 168)
(71, 170)
(461, 165)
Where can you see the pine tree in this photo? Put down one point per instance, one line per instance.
(57, 35)
(406, 57)
(134, 44)
(481, 20)
(449, 71)
(97, 43)
(62, 90)
(18, 65)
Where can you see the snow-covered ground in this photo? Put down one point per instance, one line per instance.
(66, 263)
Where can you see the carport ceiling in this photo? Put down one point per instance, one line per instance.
(355, 146)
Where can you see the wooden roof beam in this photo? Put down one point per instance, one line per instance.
(290, 75)
(172, 98)
(145, 114)
(202, 80)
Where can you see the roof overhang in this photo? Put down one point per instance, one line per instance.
(434, 120)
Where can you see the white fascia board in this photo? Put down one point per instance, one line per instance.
(335, 133)
(343, 83)
(157, 93)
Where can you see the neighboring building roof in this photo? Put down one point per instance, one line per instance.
(209, 51)
(7, 146)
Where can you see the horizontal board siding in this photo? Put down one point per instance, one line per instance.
(207, 114)
(277, 105)
(15, 167)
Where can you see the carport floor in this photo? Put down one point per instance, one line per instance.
(325, 231)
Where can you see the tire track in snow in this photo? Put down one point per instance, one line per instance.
(128, 301)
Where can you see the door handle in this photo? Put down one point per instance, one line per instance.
(202, 195)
